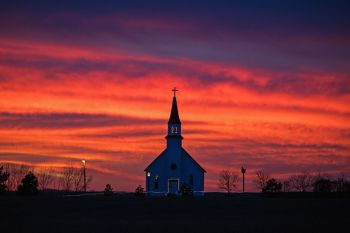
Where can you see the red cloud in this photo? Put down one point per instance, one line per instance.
(61, 103)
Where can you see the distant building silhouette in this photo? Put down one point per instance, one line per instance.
(174, 167)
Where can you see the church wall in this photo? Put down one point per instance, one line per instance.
(157, 169)
(173, 155)
(185, 168)
(196, 172)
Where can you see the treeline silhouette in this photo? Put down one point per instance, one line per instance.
(27, 180)
(301, 182)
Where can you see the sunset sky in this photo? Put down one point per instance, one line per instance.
(264, 84)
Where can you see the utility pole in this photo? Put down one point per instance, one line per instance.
(84, 162)
(243, 170)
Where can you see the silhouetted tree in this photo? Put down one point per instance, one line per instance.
(108, 190)
(342, 183)
(3, 179)
(72, 179)
(261, 179)
(78, 179)
(67, 178)
(286, 186)
(139, 191)
(272, 186)
(301, 182)
(227, 181)
(29, 185)
(45, 178)
(322, 185)
(17, 172)
(89, 181)
(346, 187)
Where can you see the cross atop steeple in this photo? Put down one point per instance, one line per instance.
(174, 90)
(174, 115)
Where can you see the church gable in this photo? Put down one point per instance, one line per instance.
(158, 159)
(186, 154)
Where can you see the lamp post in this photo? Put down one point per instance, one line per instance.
(84, 170)
(243, 170)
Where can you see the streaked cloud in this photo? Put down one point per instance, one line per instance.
(266, 85)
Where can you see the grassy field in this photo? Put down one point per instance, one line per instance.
(212, 213)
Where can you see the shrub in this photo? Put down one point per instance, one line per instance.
(108, 190)
(29, 185)
(3, 178)
(139, 191)
(186, 190)
(323, 185)
(272, 186)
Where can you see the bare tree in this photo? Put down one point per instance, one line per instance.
(88, 181)
(341, 182)
(72, 179)
(227, 181)
(67, 178)
(45, 178)
(57, 183)
(301, 182)
(261, 179)
(286, 186)
(78, 181)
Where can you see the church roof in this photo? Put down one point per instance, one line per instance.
(174, 115)
(184, 153)
(163, 152)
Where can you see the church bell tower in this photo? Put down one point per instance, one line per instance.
(174, 138)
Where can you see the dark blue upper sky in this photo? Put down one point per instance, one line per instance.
(280, 36)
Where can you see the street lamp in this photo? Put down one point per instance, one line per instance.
(243, 170)
(84, 162)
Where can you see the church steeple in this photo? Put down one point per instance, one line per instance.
(174, 115)
(174, 123)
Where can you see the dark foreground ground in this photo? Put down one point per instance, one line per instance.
(212, 213)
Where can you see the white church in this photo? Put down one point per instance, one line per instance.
(174, 167)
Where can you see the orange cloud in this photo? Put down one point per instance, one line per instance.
(62, 103)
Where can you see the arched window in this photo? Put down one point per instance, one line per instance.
(156, 182)
(191, 179)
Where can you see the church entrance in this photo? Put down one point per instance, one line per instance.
(173, 186)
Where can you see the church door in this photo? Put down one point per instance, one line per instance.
(173, 186)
